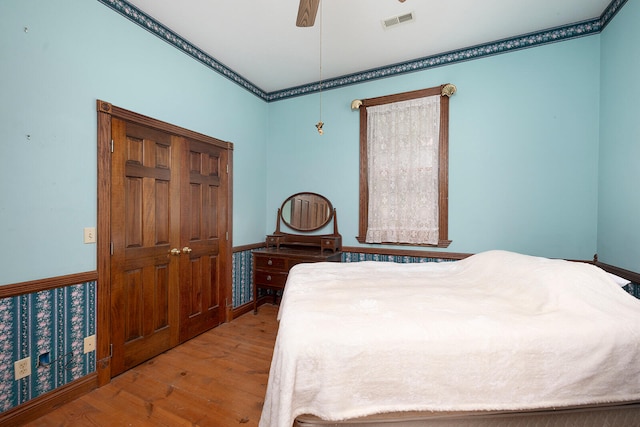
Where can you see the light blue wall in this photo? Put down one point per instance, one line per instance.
(524, 137)
(619, 198)
(72, 53)
(523, 149)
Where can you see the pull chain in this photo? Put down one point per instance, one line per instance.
(320, 123)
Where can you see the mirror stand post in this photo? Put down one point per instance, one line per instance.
(278, 223)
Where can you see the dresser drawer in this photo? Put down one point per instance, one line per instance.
(275, 263)
(270, 278)
(330, 243)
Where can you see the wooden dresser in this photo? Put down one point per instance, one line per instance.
(303, 212)
(271, 267)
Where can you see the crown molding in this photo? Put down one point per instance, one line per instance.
(567, 32)
(145, 21)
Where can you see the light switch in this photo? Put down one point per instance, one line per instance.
(89, 234)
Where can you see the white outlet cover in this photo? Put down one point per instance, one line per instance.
(89, 343)
(22, 368)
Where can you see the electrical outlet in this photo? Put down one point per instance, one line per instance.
(22, 368)
(89, 343)
(89, 234)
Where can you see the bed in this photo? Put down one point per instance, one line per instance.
(495, 339)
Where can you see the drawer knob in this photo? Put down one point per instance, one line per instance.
(268, 278)
(270, 262)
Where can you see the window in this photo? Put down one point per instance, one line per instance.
(404, 179)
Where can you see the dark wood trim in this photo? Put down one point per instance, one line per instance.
(443, 163)
(16, 289)
(103, 294)
(248, 247)
(41, 405)
(440, 244)
(443, 174)
(625, 274)
(402, 252)
(131, 116)
(363, 216)
(247, 307)
(228, 248)
(244, 308)
(404, 96)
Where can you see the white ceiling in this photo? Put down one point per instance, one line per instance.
(258, 39)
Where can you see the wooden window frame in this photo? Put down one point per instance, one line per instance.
(443, 163)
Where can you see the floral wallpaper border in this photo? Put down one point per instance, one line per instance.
(589, 27)
(54, 321)
(242, 278)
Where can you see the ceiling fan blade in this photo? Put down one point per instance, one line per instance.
(307, 13)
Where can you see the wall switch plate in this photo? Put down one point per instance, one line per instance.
(22, 368)
(89, 343)
(89, 234)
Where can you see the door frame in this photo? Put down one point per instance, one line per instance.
(103, 295)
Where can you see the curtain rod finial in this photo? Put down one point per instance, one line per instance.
(449, 89)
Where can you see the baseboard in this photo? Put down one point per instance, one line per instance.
(42, 405)
(242, 309)
(245, 308)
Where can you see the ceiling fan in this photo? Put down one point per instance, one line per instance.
(307, 11)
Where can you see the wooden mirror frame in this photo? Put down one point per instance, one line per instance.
(306, 211)
(331, 242)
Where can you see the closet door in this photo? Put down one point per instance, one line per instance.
(145, 194)
(169, 240)
(203, 237)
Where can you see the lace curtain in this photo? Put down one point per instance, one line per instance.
(403, 139)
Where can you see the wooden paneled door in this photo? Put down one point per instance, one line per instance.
(145, 191)
(202, 303)
(169, 249)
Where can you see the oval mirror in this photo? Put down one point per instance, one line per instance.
(306, 211)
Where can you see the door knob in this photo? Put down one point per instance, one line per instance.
(186, 250)
(175, 251)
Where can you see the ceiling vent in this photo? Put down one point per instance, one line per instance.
(395, 20)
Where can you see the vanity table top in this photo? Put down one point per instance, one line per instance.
(298, 252)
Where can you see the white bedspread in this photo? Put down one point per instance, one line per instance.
(495, 331)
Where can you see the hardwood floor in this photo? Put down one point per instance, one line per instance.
(216, 379)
